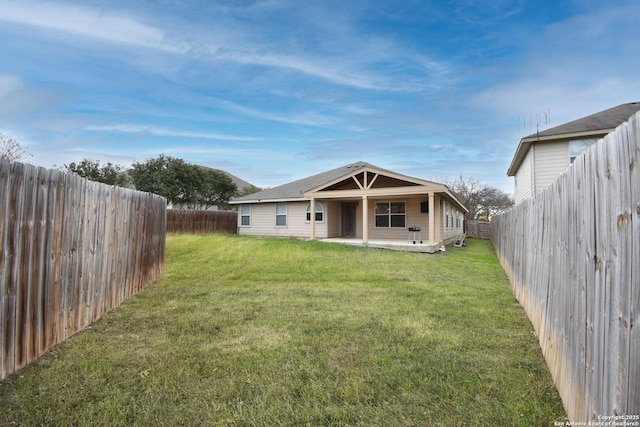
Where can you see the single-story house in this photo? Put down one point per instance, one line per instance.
(359, 204)
(540, 158)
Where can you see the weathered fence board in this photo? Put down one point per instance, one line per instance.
(200, 221)
(71, 250)
(478, 229)
(633, 392)
(572, 254)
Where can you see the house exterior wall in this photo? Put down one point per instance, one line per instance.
(550, 161)
(332, 214)
(448, 220)
(443, 229)
(263, 221)
(542, 165)
(413, 217)
(524, 178)
(452, 221)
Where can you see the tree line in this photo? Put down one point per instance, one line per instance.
(183, 184)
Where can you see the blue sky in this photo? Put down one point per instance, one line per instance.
(276, 90)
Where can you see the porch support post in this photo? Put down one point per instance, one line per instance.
(365, 220)
(312, 217)
(432, 220)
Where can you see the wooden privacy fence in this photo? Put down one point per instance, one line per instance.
(197, 221)
(72, 249)
(572, 255)
(478, 229)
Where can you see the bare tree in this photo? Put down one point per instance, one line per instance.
(493, 201)
(466, 190)
(11, 149)
(481, 200)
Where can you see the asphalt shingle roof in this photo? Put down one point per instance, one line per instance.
(604, 120)
(594, 126)
(296, 189)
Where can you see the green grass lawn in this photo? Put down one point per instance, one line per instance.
(278, 332)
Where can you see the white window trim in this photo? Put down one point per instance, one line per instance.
(242, 214)
(286, 215)
(375, 225)
(308, 212)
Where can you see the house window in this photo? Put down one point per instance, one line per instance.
(390, 215)
(281, 214)
(319, 212)
(578, 147)
(245, 215)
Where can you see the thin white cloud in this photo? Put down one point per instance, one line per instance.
(362, 68)
(307, 119)
(96, 24)
(321, 69)
(9, 84)
(575, 67)
(19, 100)
(152, 130)
(201, 152)
(347, 68)
(487, 12)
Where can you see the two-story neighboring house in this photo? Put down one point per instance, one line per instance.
(543, 156)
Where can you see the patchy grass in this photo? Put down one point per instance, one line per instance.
(255, 332)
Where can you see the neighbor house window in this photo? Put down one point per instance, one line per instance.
(319, 212)
(281, 215)
(579, 146)
(245, 215)
(390, 215)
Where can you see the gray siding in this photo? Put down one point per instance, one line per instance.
(524, 178)
(551, 160)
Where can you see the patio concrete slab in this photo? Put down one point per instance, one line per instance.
(395, 245)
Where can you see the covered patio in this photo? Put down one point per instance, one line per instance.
(357, 204)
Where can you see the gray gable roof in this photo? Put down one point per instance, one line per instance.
(240, 183)
(594, 126)
(604, 121)
(295, 190)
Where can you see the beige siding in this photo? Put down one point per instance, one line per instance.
(550, 160)
(413, 218)
(263, 221)
(452, 220)
(416, 218)
(332, 215)
(524, 178)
